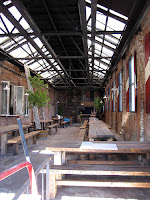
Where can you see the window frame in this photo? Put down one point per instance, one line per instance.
(120, 91)
(132, 84)
(113, 96)
(26, 106)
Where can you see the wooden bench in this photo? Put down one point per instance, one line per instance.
(64, 123)
(84, 125)
(15, 140)
(81, 134)
(52, 126)
(98, 171)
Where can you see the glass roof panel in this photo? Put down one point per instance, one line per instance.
(15, 31)
(2, 39)
(98, 46)
(103, 66)
(34, 65)
(115, 24)
(24, 23)
(14, 11)
(107, 51)
(88, 12)
(8, 24)
(7, 2)
(109, 44)
(38, 42)
(99, 25)
(105, 60)
(98, 39)
(112, 39)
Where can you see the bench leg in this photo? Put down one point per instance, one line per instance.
(3, 144)
(49, 131)
(56, 128)
(34, 139)
(15, 149)
(52, 186)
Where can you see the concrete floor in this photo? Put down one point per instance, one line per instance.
(38, 154)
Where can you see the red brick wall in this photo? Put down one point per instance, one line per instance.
(129, 125)
(13, 74)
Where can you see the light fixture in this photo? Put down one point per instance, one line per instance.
(6, 88)
(26, 94)
(114, 89)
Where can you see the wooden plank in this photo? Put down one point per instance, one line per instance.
(100, 170)
(101, 162)
(52, 186)
(53, 125)
(18, 138)
(102, 184)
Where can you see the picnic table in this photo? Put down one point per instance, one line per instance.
(7, 129)
(44, 123)
(121, 147)
(61, 167)
(99, 130)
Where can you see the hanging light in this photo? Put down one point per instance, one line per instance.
(105, 97)
(26, 94)
(6, 88)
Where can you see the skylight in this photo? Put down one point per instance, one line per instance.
(105, 44)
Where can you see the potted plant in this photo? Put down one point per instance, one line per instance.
(38, 97)
(98, 104)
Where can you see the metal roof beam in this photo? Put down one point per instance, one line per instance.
(93, 25)
(36, 30)
(82, 13)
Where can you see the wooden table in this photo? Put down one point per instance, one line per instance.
(99, 130)
(45, 122)
(124, 147)
(3, 133)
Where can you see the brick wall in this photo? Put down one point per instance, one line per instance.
(132, 125)
(12, 73)
(70, 101)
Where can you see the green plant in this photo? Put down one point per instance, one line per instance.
(37, 97)
(98, 103)
(60, 109)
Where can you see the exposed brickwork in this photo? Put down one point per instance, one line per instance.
(9, 72)
(131, 125)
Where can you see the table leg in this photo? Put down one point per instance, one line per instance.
(58, 161)
(3, 144)
(148, 158)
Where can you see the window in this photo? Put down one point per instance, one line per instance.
(5, 97)
(109, 100)
(19, 99)
(132, 84)
(12, 99)
(106, 99)
(147, 71)
(26, 105)
(114, 96)
(120, 92)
